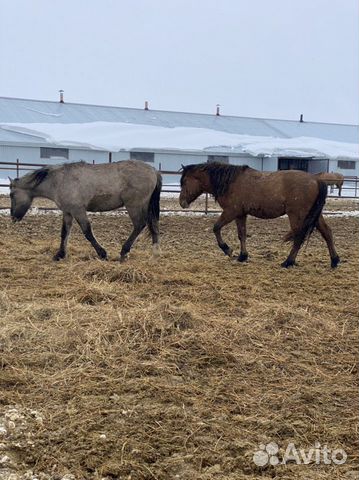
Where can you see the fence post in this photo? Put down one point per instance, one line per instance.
(206, 205)
(109, 157)
(356, 186)
(17, 168)
(93, 162)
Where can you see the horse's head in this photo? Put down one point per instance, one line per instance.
(20, 201)
(191, 185)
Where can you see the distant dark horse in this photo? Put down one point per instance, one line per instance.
(242, 191)
(79, 187)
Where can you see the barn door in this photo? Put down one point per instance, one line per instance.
(293, 163)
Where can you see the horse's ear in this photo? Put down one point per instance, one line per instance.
(182, 167)
(10, 180)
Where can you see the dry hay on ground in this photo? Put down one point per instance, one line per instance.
(180, 368)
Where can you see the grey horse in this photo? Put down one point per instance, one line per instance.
(77, 188)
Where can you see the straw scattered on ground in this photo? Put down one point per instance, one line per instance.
(177, 368)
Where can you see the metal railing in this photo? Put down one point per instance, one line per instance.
(350, 189)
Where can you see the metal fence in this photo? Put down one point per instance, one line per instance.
(350, 189)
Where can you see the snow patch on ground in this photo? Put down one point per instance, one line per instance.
(17, 432)
(182, 213)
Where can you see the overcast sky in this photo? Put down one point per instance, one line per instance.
(260, 58)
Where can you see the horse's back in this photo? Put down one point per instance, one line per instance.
(282, 180)
(272, 194)
(111, 176)
(107, 186)
(329, 176)
(296, 182)
(128, 169)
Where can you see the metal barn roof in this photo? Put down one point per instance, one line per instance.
(13, 110)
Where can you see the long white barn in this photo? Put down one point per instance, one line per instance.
(36, 131)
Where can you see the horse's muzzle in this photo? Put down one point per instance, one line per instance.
(183, 203)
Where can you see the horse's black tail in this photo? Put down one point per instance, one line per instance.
(311, 220)
(153, 213)
(340, 185)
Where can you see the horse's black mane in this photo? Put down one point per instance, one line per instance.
(221, 175)
(33, 179)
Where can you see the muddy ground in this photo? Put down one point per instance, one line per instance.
(178, 368)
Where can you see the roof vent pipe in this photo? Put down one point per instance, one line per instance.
(61, 96)
(217, 110)
(301, 118)
(146, 105)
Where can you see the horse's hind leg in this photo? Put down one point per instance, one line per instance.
(153, 227)
(295, 224)
(223, 220)
(242, 235)
(85, 225)
(65, 233)
(326, 233)
(139, 222)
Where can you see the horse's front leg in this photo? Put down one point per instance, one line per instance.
(138, 219)
(242, 235)
(223, 220)
(65, 233)
(85, 225)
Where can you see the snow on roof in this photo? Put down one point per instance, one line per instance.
(39, 111)
(114, 136)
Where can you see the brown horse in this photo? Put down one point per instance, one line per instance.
(336, 179)
(242, 191)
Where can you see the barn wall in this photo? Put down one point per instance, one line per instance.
(270, 164)
(173, 162)
(120, 156)
(333, 167)
(32, 155)
(166, 160)
(24, 154)
(250, 161)
(75, 155)
(11, 154)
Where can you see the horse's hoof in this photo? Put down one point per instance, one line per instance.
(335, 261)
(288, 264)
(123, 259)
(102, 254)
(242, 257)
(229, 252)
(58, 256)
(226, 249)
